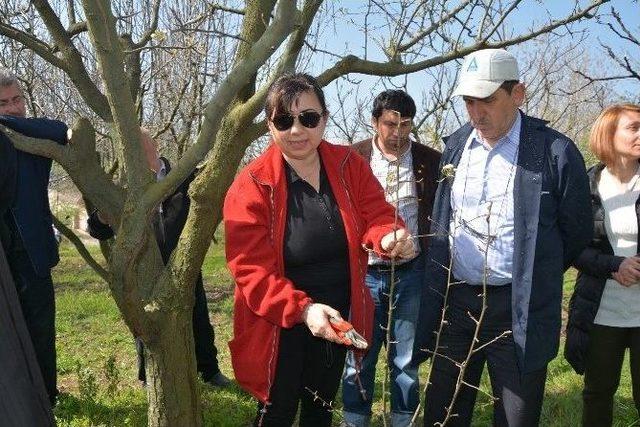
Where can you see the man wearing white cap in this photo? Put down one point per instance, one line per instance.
(510, 214)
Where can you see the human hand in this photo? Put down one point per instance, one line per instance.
(103, 218)
(398, 244)
(316, 317)
(629, 271)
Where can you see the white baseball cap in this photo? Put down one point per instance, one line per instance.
(483, 71)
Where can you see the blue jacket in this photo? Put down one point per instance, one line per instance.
(552, 224)
(30, 205)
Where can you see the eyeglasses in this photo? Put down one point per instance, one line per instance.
(309, 119)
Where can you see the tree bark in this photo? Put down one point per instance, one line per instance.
(173, 392)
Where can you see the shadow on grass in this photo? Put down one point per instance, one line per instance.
(72, 410)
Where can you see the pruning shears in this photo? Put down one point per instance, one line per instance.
(346, 331)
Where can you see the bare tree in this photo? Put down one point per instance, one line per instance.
(199, 73)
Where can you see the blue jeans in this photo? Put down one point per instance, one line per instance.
(403, 376)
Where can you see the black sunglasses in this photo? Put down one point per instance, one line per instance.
(308, 119)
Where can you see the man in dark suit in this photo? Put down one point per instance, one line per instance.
(510, 214)
(168, 223)
(28, 234)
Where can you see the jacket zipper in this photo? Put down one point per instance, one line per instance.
(274, 327)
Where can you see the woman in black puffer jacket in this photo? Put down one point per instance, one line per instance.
(604, 310)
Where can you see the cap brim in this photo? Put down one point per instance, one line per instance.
(476, 88)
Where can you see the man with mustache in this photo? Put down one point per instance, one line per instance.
(408, 172)
(509, 217)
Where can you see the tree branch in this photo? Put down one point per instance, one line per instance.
(353, 64)
(226, 9)
(107, 43)
(287, 61)
(624, 32)
(33, 43)
(500, 20)
(152, 28)
(434, 26)
(74, 67)
(213, 180)
(81, 248)
(77, 28)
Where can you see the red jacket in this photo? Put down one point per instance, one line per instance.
(254, 220)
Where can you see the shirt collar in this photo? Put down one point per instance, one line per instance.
(291, 174)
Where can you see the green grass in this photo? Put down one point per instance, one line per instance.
(97, 364)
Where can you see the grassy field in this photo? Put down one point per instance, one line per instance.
(96, 360)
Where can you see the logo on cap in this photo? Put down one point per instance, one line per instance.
(473, 65)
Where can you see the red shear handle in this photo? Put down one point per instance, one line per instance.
(341, 327)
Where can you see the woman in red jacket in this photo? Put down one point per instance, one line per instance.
(298, 223)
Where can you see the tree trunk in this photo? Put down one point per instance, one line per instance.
(173, 392)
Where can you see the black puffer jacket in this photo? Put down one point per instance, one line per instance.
(595, 265)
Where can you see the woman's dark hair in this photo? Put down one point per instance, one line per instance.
(284, 91)
(396, 100)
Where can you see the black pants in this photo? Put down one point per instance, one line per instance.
(38, 307)
(203, 337)
(519, 396)
(602, 372)
(308, 372)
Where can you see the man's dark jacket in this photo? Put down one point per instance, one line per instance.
(22, 391)
(425, 173)
(30, 206)
(8, 176)
(167, 224)
(595, 265)
(552, 224)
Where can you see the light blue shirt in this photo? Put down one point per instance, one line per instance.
(482, 209)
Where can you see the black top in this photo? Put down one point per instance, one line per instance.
(316, 255)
